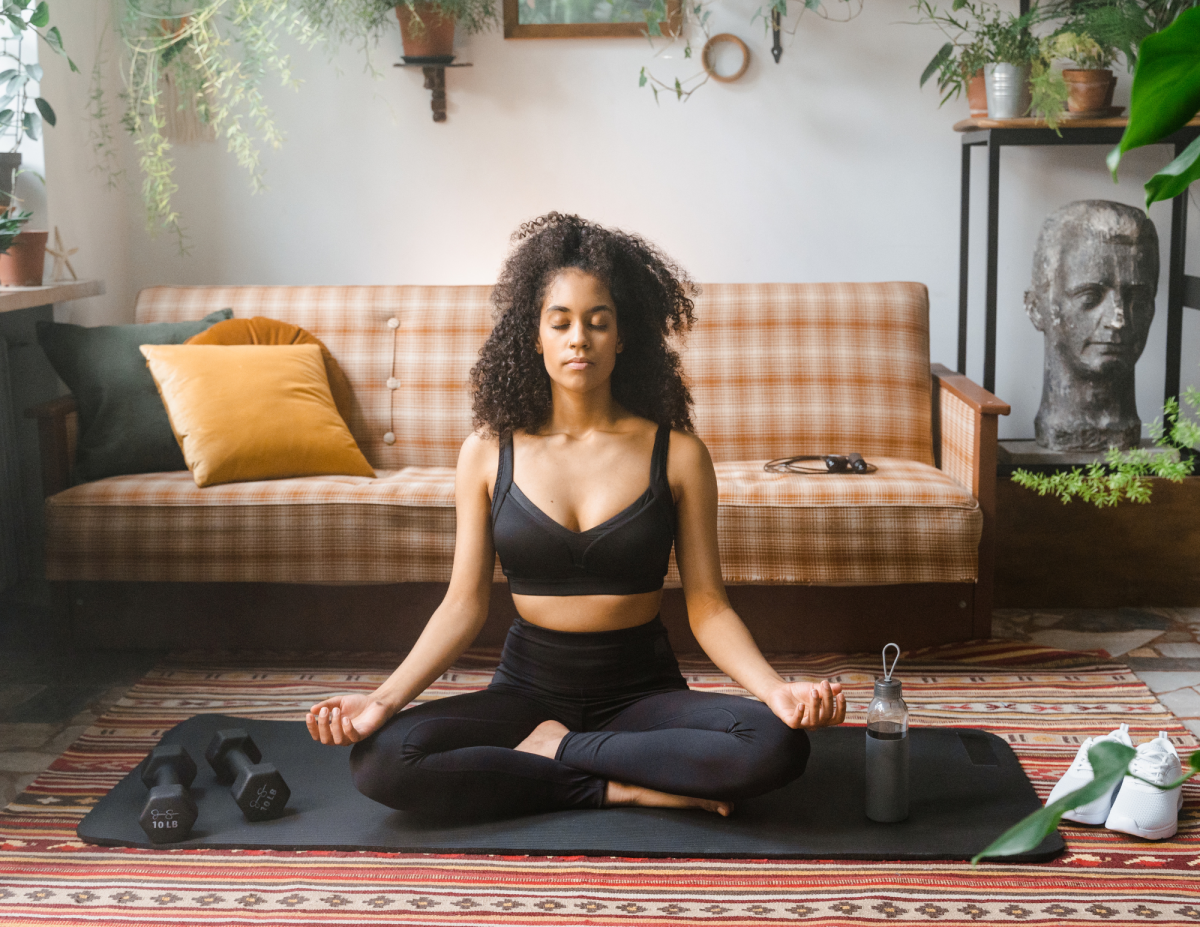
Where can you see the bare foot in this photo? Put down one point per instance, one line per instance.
(544, 739)
(621, 794)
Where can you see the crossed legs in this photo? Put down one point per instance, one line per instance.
(459, 755)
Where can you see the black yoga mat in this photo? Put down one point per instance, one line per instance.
(967, 788)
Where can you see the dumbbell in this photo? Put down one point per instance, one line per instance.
(257, 787)
(169, 812)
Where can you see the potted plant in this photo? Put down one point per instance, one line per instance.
(983, 40)
(1012, 52)
(1091, 82)
(959, 63)
(22, 112)
(22, 254)
(427, 26)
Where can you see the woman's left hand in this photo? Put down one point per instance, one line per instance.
(808, 705)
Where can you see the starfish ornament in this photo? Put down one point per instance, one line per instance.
(62, 257)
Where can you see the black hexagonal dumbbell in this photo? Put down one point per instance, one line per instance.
(257, 787)
(170, 811)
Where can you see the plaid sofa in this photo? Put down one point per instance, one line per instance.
(775, 369)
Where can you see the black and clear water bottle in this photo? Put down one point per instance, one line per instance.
(887, 748)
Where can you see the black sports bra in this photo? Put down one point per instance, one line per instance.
(624, 555)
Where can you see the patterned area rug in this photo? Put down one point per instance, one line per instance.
(1043, 702)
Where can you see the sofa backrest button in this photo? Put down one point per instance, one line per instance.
(393, 383)
(393, 322)
(389, 438)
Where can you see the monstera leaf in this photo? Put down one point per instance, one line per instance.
(1110, 762)
(1165, 96)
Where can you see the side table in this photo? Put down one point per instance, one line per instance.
(995, 134)
(26, 379)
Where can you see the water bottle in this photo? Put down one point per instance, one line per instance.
(887, 748)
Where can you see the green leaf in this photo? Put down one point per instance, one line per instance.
(33, 124)
(34, 71)
(642, 78)
(1166, 85)
(1175, 178)
(1109, 761)
(46, 110)
(54, 39)
(6, 116)
(944, 54)
(41, 15)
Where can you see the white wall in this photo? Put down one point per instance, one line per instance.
(831, 165)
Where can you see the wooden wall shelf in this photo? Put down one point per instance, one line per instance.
(26, 297)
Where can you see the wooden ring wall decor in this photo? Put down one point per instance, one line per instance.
(706, 57)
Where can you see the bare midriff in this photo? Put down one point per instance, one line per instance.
(588, 612)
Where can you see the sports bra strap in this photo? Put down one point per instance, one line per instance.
(504, 473)
(658, 459)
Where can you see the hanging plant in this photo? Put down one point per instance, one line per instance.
(212, 57)
(204, 62)
(692, 26)
(21, 113)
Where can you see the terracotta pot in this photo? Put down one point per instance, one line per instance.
(25, 260)
(425, 31)
(977, 95)
(1089, 91)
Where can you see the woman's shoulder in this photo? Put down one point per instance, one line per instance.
(687, 456)
(479, 454)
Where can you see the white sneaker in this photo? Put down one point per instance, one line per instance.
(1080, 774)
(1141, 809)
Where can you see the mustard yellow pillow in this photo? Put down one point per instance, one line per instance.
(261, 330)
(253, 412)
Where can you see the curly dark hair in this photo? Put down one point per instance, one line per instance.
(653, 297)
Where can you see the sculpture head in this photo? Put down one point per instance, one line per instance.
(1095, 276)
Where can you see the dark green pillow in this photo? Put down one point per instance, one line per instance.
(123, 426)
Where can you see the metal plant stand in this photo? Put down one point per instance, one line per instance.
(994, 134)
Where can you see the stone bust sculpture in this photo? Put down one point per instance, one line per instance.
(1095, 275)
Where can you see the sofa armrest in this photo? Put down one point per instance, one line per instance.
(57, 423)
(965, 429)
(965, 418)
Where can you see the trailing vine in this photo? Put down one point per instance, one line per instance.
(1125, 475)
(217, 53)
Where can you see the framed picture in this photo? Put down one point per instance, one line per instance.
(568, 19)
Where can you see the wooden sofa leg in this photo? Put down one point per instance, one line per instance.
(986, 429)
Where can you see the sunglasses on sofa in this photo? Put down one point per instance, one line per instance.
(832, 463)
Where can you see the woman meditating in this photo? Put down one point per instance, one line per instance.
(578, 403)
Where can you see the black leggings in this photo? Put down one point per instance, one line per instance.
(631, 716)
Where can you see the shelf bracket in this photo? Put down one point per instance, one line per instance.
(435, 80)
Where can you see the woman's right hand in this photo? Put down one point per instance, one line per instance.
(346, 719)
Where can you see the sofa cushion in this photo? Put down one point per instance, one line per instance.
(253, 412)
(907, 523)
(123, 427)
(398, 527)
(260, 330)
(780, 369)
(849, 364)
